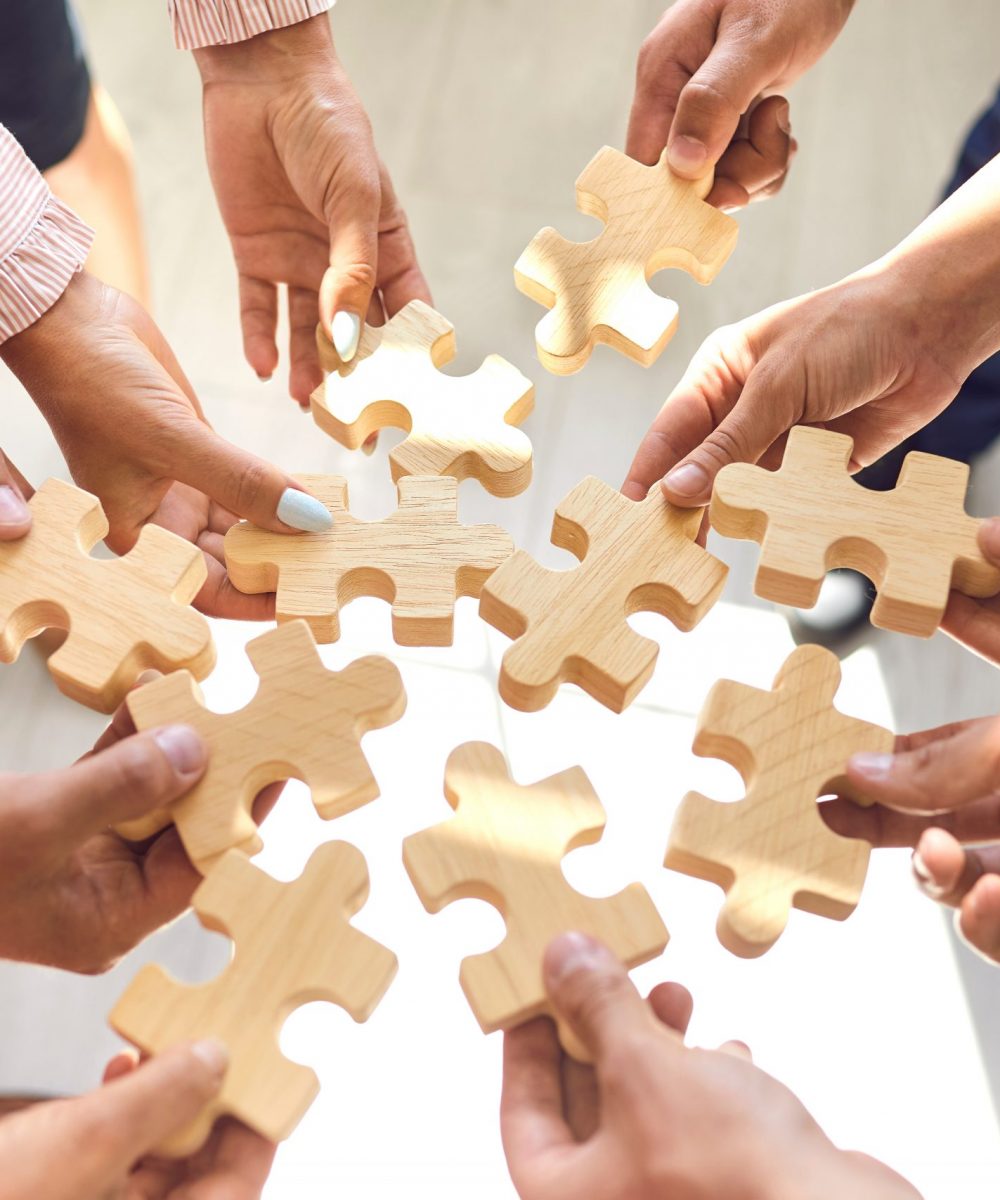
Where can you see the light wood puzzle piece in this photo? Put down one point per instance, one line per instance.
(293, 945)
(505, 845)
(914, 543)
(305, 722)
(461, 426)
(122, 616)
(570, 626)
(419, 559)
(772, 850)
(598, 290)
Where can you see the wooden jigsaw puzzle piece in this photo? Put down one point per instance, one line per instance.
(294, 945)
(505, 845)
(463, 426)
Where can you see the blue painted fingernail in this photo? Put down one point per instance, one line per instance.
(305, 512)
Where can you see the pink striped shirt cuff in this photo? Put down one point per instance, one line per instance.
(199, 23)
(42, 242)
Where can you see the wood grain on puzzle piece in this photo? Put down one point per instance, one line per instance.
(293, 944)
(915, 542)
(122, 616)
(598, 291)
(419, 559)
(505, 845)
(570, 626)
(772, 850)
(305, 722)
(461, 426)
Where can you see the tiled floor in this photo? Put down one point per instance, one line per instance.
(485, 111)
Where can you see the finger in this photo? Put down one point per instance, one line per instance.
(947, 872)
(758, 160)
(128, 780)
(346, 289)
(978, 919)
(989, 540)
(672, 1006)
(737, 1050)
(132, 1115)
(247, 485)
(882, 827)
(219, 598)
(259, 321)
(400, 278)
(122, 1064)
(531, 1100)
(590, 990)
(935, 776)
(305, 375)
(15, 515)
(974, 624)
(239, 1155)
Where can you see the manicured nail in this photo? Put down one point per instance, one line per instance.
(572, 952)
(183, 748)
(925, 880)
(784, 118)
(346, 330)
(305, 512)
(876, 767)
(989, 539)
(213, 1054)
(687, 155)
(688, 480)
(13, 510)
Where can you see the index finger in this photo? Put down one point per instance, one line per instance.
(531, 1102)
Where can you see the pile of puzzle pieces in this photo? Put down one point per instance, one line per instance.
(505, 842)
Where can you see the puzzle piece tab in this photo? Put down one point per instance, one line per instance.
(122, 616)
(915, 543)
(305, 722)
(772, 850)
(461, 426)
(505, 845)
(293, 945)
(419, 559)
(598, 290)
(570, 626)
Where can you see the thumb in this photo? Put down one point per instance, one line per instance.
(713, 101)
(346, 289)
(244, 484)
(936, 772)
(15, 516)
(591, 991)
(989, 540)
(136, 1112)
(132, 778)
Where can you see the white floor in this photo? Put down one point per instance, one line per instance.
(486, 112)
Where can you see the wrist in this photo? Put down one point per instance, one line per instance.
(276, 54)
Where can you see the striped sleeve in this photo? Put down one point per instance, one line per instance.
(42, 242)
(199, 23)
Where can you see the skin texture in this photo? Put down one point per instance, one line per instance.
(15, 491)
(705, 84)
(108, 1134)
(648, 1119)
(73, 894)
(133, 433)
(303, 194)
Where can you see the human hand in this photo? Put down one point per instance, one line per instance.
(99, 1145)
(976, 623)
(701, 80)
(688, 1124)
(304, 197)
(15, 516)
(939, 791)
(132, 432)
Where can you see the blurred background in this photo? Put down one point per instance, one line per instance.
(485, 112)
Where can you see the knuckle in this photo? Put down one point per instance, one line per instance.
(357, 275)
(704, 99)
(251, 486)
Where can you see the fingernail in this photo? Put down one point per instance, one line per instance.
(13, 510)
(876, 767)
(305, 512)
(687, 154)
(184, 749)
(370, 446)
(784, 118)
(346, 330)
(989, 539)
(573, 952)
(213, 1054)
(925, 880)
(687, 480)
(265, 378)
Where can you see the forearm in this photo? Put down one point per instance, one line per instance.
(279, 54)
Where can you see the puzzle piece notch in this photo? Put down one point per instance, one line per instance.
(915, 542)
(419, 559)
(570, 626)
(772, 851)
(598, 291)
(305, 722)
(121, 616)
(460, 426)
(293, 945)
(505, 845)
